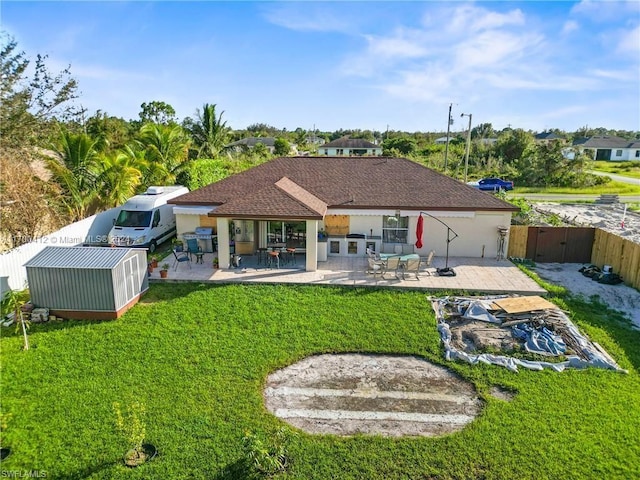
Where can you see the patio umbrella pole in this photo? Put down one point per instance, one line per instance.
(446, 271)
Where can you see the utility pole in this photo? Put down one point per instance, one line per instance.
(446, 148)
(466, 155)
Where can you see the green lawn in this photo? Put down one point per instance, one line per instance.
(197, 356)
(626, 169)
(611, 187)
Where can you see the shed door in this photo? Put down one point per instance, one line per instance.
(131, 277)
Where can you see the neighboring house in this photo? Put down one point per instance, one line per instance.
(609, 148)
(315, 140)
(442, 140)
(547, 137)
(350, 147)
(342, 205)
(250, 142)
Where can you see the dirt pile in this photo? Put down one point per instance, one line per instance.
(612, 218)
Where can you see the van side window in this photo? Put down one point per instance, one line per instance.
(156, 218)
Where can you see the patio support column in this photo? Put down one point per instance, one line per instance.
(224, 252)
(311, 246)
(262, 234)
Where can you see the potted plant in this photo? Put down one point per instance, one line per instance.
(216, 264)
(164, 271)
(154, 261)
(149, 268)
(130, 424)
(178, 246)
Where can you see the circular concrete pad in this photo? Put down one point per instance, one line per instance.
(347, 394)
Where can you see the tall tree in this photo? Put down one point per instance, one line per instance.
(208, 131)
(281, 147)
(484, 130)
(167, 148)
(157, 112)
(512, 144)
(119, 176)
(28, 104)
(75, 170)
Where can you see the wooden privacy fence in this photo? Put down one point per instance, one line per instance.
(622, 254)
(568, 244)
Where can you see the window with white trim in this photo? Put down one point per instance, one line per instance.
(395, 229)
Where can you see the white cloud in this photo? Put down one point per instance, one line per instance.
(398, 46)
(605, 11)
(630, 42)
(307, 17)
(495, 49)
(619, 75)
(470, 19)
(570, 26)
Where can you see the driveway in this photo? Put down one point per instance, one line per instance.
(618, 178)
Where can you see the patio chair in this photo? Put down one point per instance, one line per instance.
(180, 257)
(392, 264)
(411, 266)
(375, 266)
(372, 254)
(408, 248)
(193, 248)
(426, 261)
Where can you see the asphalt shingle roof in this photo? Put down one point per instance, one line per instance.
(604, 142)
(304, 187)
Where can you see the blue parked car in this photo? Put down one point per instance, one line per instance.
(492, 184)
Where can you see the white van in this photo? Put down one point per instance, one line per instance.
(146, 220)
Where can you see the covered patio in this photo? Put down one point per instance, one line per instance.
(486, 275)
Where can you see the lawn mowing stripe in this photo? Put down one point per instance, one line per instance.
(351, 415)
(329, 392)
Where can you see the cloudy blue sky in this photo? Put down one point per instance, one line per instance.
(367, 65)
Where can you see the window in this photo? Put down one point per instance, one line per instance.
(340, 151)
(637, 153)
(395, 229)
(156, 218)
(133, 218)
(618, 153)
(326, 151)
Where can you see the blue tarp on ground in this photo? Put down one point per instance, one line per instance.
(541, 341)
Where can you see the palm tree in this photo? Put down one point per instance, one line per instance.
(13, 301)
(120, 176)
(166, 148)
(209, 132)
(75, 170)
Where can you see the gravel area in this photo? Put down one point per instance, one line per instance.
(619, 297)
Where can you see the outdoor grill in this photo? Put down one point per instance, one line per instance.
(205, 238)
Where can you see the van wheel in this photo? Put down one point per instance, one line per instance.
(152, 246)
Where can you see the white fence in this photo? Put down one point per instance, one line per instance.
(89, 231)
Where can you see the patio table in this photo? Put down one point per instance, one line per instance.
(403, 258)
(402, 264)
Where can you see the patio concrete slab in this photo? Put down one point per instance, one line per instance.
(486, 275)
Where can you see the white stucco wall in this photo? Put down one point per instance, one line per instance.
(477, 231)
(332, 151)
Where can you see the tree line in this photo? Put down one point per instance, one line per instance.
(59, 165)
